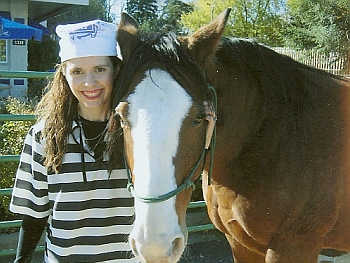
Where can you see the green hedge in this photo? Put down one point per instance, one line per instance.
(12, 134)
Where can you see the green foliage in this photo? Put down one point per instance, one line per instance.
(152, 18)
(170, 17)
(42, 56)
(145, 13)
(203, 13)
(12, 134)
(319, 24)
(259, 19)
(97, 9)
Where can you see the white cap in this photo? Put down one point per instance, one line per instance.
(92, 38)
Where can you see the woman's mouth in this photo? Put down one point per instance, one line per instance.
(92, 94)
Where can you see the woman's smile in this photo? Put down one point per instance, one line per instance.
(92, 94)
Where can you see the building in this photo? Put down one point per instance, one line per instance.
(28, 18)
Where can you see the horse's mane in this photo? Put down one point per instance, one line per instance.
(162, 51)
(249, 55)
(284, 84)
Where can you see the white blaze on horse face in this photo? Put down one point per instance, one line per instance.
(157, 109)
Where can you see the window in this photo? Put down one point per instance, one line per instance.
(3, 51)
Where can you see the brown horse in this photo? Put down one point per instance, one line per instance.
(279, 183)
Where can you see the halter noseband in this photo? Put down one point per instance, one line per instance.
(187, 183)
(161, 198)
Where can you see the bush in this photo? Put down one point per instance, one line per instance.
(12, 134)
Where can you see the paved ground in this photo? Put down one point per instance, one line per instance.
(208, 247)
(204, 247)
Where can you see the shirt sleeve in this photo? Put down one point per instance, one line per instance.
(29, 236)
(30, 192)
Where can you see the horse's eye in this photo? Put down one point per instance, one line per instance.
(197, 121)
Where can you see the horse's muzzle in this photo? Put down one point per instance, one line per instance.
(159, 249)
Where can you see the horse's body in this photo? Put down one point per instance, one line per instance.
(280, 183)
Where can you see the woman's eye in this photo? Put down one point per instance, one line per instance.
(101, 69)
(77, 72)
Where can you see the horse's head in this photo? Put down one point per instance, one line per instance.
(164, 104)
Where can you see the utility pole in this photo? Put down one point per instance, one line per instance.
(212, 11)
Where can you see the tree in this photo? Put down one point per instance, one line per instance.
(97, 9)
(152, 18)
(145, 12)
(319, 24)
(42, 56)
(170, 17)
(259, 19)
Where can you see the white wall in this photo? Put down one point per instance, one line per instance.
(17, 55)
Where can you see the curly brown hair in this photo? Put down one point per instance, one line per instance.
(58, 108)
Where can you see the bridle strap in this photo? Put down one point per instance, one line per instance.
(188, 183)
(213, 137)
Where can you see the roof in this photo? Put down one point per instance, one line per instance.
(41, 10)
(13, 30)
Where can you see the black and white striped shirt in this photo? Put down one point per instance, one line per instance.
(87, 221)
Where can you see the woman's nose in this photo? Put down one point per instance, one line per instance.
(89, 80)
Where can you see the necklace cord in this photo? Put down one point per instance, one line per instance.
(82, 153)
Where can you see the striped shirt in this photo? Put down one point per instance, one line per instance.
(88, 221)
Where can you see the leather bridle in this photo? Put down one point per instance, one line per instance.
(188, 182)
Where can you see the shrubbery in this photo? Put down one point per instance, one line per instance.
(12, 134)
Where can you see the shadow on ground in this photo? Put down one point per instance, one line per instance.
(207, 247)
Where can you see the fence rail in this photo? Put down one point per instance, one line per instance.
(332, 63)
(24, 74)
(17, 117)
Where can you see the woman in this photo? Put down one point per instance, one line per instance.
(63, 181)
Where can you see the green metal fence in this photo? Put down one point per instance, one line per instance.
(15, 158)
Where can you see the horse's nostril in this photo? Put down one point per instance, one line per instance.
(178, 246)
(134, 247)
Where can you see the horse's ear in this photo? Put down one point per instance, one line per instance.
(202, 44)
(128, 35)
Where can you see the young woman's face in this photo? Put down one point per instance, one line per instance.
(91, 81)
